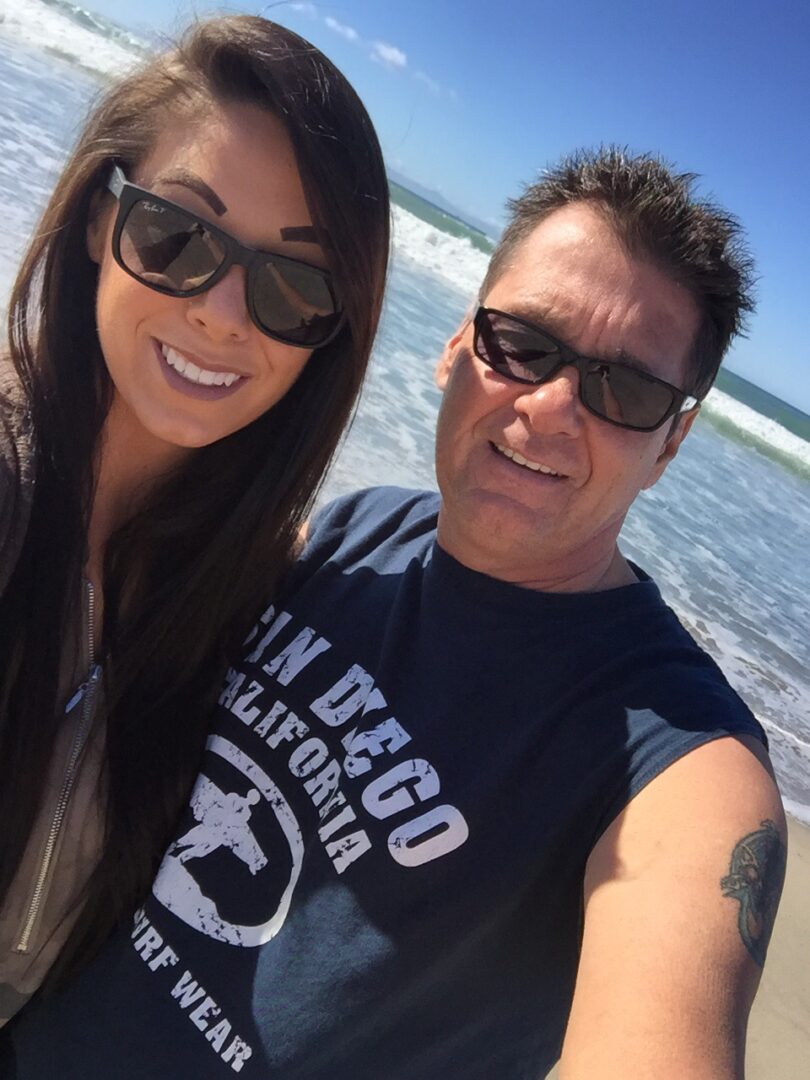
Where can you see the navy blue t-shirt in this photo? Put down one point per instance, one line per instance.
(380, 872)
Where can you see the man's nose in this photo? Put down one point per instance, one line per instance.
(221, 312)
(553, 406)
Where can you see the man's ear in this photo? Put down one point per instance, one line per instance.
(671, 447)
(96, 234)
(449, 353)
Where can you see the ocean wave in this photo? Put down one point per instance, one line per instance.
(744, 424)
(72, 33)
(451, 258)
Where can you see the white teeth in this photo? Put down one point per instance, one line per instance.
(519, 459)
(196, 374)
(174, 359)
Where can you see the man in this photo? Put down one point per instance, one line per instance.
(505, 807)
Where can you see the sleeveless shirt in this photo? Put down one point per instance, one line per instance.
(380, 872)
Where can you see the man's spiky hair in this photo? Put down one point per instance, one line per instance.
(657, 216)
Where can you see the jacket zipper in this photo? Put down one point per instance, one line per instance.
(87, 692)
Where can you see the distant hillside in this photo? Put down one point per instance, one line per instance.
(435, 198)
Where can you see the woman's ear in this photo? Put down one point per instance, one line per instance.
(96, 228)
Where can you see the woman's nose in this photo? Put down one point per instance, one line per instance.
(221, 311)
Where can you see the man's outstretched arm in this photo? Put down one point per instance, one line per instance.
(680, 897)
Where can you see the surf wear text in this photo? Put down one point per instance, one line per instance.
(201, 1009)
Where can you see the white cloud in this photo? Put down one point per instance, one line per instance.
(382, 52)
(388, 55)
(340, 28)
(431, 84)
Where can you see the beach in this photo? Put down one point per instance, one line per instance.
(724, 534)
(779, 1030)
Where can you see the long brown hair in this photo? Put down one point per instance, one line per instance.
(214, 538)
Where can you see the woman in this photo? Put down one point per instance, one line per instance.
(189, 332)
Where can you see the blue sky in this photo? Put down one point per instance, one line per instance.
(472, 99)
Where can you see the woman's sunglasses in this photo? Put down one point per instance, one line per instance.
(175, 252)
(612, 390)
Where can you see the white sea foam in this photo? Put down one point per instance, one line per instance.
(49, 27)
(451, 258)
(759, 429)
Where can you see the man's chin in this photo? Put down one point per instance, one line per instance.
(491, 529)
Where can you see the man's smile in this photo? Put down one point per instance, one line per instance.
(519, 459)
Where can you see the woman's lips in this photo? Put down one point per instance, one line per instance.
(188, 378)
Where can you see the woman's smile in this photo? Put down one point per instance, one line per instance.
(192, 377)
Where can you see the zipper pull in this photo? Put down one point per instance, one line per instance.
(89, 684)
(77, 697)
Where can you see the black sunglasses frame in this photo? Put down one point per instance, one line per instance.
(681, 401)
(236, 254)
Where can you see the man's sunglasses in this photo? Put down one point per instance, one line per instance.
(614, 391)
(173, 251)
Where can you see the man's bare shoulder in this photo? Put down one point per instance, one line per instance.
(680, 897)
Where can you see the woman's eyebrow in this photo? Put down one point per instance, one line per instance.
(190, 180)
(307, 233)
(184, 178)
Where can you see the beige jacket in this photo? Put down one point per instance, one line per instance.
(41, 907)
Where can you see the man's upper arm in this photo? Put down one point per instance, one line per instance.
(680, 895)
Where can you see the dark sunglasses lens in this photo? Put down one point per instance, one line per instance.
(295, 302)
(168, 249)
(515, 351)
(626, 396)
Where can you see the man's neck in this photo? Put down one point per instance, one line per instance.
(595, 568)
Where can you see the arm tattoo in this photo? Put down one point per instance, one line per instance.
(755, 879)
